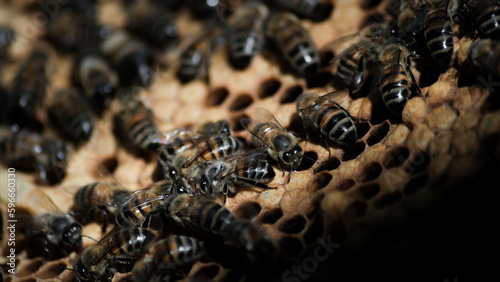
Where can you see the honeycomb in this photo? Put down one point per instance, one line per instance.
(397, 204)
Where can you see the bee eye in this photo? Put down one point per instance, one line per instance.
(82, 271)
(286, 156)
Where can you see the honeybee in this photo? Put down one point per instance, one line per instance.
(29, 152)
(130, 58)
(71, 113)
(194, 60)
(118, 246)
(395, 77)
(247, 168)
(143, 203)
(52, 161)
(294, 42)
(313, 9)
(101, 197)
(486, 14)
(327, 117)
(95, 76)
(439, 32)
(484, 55)
(200, 214)
(29, 87)
(181, 139)
(209, 149)
(356, 62)
(138, 123)
(245, 33)
(167, 254)
(53, 226)
(152, 22)
(282, 146)
(70, 30)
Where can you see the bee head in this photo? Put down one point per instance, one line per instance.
(73, 236)
(293, 157)
(81, 271)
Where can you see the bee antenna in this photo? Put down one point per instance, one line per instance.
(90, 238)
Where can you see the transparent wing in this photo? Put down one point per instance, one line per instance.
(264, 116)
(41, 202)
(334, 96)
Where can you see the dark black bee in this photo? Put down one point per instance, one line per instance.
(29, 152)
(95, 76)
(312, 9)
(152, 22)
(53, 226)
(69, 30)
(484, 55)
(29, 88)
(53, 161)
(130, 57)
(71, 113)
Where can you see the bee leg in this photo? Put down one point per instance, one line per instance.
(410, 74)
(45, 245)
(104, 221)
(107, 272)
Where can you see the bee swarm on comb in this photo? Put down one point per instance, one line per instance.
(325, 138)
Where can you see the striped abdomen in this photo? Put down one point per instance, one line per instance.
(395, 87)
(191, 61)
(487, 18)
(258, 171)
(99, 194)
(295, 43)
(215, 148)
(350, 68)
(176, 250)
(246, 33)
(439, 35)
(140, 127)
(334, 122)
(204, 215)
(72, 114)
(138, 208)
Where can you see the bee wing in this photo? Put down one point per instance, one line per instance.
(167, 137)
(41, 202)
(334, 96)
(257, 154)
(134, 199)
(419, 20)
(111, 243)
(349, 49)
(200, 149)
